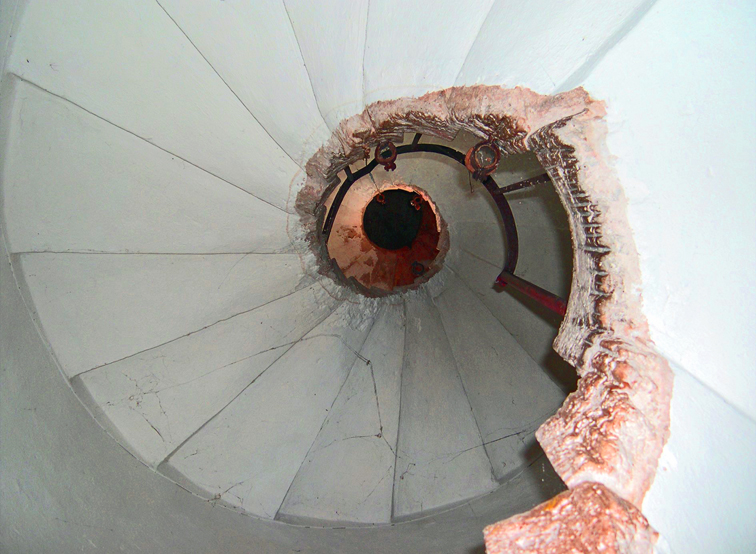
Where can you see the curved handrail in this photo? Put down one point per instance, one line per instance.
(507, 276)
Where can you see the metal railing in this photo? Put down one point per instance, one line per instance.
(386, 154)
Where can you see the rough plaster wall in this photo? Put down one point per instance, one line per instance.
(591, 519)
(686, 148)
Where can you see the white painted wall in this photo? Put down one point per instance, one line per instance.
(680, 86)
(681, 91)
(427, 47)
(545, 45)
(685, 144)
(10, 16)
(331, 37)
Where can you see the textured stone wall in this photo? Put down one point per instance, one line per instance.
(588, 519)
(606, 440)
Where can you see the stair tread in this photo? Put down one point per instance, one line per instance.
(509, 392)
(250, 453)
(441, 459)
(96, 309)
(157, 399)
(348, 474)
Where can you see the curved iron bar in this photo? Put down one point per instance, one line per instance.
(510, 229)
(507, 276)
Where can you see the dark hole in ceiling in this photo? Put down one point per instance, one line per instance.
(395, 222)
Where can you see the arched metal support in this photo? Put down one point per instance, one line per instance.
(489, 183)
(507, 276)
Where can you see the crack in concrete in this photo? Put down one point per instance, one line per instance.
(227, 85)
(230, 270)
(192, 332)
(66, 100)
(304, 63)
(372, 491)
(329, 415)
(339, 440)
(185, 441)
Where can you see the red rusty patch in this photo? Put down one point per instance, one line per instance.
(375, 270)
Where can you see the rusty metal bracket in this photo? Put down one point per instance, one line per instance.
(510, 229)
(489, 162)
(417, 269)
(482, 159)
(387, 162)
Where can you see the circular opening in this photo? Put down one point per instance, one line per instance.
(386, 240)
(392, 219)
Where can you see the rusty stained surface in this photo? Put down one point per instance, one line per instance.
(611, 431)
(587, 519)
(378, 271)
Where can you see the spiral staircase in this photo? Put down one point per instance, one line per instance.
(152, 162)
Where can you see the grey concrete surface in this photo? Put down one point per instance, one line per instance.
(67, 487)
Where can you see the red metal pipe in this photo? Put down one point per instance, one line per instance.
(533, 181)
(542, 296)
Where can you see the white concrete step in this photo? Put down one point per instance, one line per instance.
(534, 328)
(331, 38)
(248, 455)
(420, 37)
(127, 62)
(348, 474)
(441, 458)
(98, 308)
(156, 399)
(74, 182)
(285, 107)
(509, 393)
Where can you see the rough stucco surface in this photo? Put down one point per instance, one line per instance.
(613, 428)
(586, 519)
